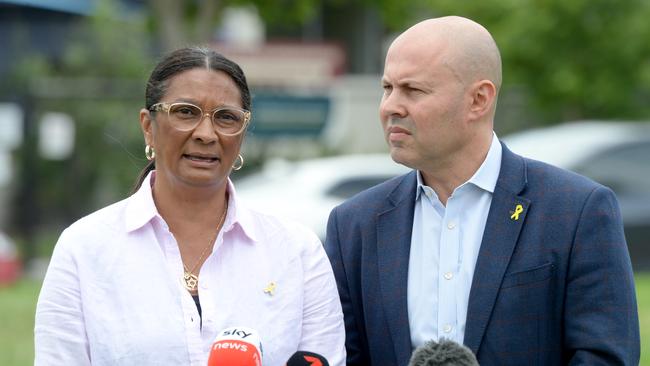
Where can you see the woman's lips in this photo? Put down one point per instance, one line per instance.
(199, 158)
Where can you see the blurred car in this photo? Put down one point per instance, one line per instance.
(615, 154)
(10, 266)
(308, 190)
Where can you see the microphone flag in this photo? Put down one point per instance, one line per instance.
(304, 358)
(236, 346)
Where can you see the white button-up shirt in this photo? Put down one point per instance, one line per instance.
(444, 248)
(113, 292)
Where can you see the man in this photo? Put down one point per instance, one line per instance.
(524, 263)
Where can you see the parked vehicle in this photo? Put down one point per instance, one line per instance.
(308, 190)
(615, 154)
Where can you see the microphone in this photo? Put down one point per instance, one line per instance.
(236, 346)
(445, 353)
(304, 358)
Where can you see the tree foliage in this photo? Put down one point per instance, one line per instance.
(576, 59)
(182, 22)
(99, 82)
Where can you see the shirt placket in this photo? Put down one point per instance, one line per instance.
(431, 208)
(208, 278)
(192, 320)
(447, 272)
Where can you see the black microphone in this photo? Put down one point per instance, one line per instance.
(444, 353)
(304, 358)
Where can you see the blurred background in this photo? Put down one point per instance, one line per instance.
(576, 93)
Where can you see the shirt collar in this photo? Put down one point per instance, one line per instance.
(239, 217)
(485, 176)
(141, 209)
(421, 187)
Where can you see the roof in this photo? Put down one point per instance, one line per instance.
(77, 7)
(83, 7)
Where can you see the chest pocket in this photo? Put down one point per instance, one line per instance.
(529, 276)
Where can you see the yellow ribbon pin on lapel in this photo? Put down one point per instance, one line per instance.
(518, 209)
(270, 289)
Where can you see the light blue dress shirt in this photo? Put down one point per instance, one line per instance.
(444, 248)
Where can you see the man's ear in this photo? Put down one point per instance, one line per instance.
(483, 95)
(146, 124)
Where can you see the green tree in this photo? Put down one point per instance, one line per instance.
(575, 59)
(99, 82)
(181, 22)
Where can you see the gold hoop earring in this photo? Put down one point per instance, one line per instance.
(149, 153)
(241, 162)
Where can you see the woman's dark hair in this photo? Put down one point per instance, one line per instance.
(181, 60)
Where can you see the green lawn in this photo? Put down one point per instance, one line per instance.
(18, 303)
(17, 307)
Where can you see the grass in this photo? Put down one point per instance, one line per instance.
(17, 308)
(18, 304)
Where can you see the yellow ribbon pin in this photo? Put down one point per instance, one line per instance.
(518, 209)
(270, 289)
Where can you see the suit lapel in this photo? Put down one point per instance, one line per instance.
(505, 220)
(394, 228)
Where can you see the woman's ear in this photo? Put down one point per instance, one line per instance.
(146, 124)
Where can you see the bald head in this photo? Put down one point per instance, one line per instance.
(461, 44)
(440, 83)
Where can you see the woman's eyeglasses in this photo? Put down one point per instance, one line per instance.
(227, 121)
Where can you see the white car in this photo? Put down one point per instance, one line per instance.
(308, 190)
(615, 154)
(570, 145)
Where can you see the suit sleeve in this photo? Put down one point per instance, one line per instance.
(600, 316)
(353, 340)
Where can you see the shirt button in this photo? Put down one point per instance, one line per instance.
(451, 225)
(446, 328)
(449, 276)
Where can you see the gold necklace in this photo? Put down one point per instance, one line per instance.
(191, 281)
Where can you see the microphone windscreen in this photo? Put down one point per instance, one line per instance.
(445, 353)
(236, 346)
(304, 358)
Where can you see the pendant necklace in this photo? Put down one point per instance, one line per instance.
(190, 280)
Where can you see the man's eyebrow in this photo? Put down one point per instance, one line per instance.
(409, 83)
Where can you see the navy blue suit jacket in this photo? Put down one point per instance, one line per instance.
(553, 287)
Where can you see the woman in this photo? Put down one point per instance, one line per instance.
(151, 280)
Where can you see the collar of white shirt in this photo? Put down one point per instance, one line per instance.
(141, 209)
